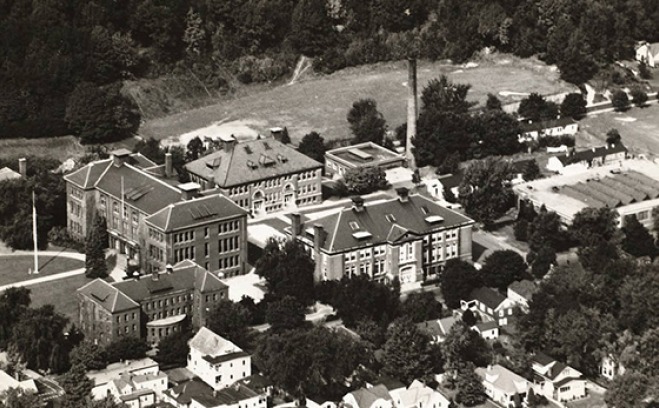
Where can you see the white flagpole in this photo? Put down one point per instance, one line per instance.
(34, 234)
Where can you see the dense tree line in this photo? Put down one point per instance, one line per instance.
(62, 60)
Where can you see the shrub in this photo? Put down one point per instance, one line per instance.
(260, 69)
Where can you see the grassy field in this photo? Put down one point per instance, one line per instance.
(61, 294)
(57, 147)
(639, 128)
(321, 103)
(14, 268)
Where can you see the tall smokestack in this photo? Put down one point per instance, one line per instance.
(411, 111)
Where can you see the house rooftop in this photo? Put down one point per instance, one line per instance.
(380, 222)
(116, 370)
(529, 126)
(185, 214)
(363, 154)
(214, 346)
(487, 296)
(485, 326)
(365, 397)
(525, 288)
(205, 396)
(503, 379)
(8, 174)
(590, 154)
(251, 161)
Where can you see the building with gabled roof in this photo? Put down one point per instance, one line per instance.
(584, 159)
(489, 304)
(556, 380)
(152, 307)
(217, 361)
(502, 385)
(377, 396)
(136, 384)
(560, 126)
(437, 329)
(152, 221)
(261, 176)
(648, 53)
(521, 292)
(419, 395)
(409, 237)
(197, 394)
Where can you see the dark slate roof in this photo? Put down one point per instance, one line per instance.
(185, 214)
(528, 126)
(450, 181)
(256, 382)
(590, 154)
(410, 218)
(365, 397)
(542, 359)
(205, 395)
(225, 357)
(484, 326)
(185, 276)
(487, 296)
(141, 190)
(107, 296)
(87, 176)
(251, 161)
(555, 370)
(564, 381)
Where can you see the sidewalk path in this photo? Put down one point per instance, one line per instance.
(43, 279)
(58, 254)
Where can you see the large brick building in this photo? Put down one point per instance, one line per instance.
(261, 176)
(152, 220)
(410, 238)
(151, 307)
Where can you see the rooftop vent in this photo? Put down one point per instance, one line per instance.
(252, 165)
(353, 225)
(434, 219)
(266, 146)
(390, 218)
(215, 163)
(281, 158)
(248, 150)
(360, 154)
(361, 235)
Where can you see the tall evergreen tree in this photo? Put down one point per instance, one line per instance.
(97, 242)
(366, 122)
(77, 388)
(638, 241)
(470, 387)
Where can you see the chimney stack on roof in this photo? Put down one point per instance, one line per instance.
(169, 170)
(357, 203)
(318, 238)
(189, 190)
(228, 142)
(296, 224)
(155, 276)
(120, 156)
(277, 133)
(169, 268)
(403, 194)
(22, 167)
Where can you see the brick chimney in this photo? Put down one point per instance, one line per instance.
(357, 204)
(412, 111)
(296, 224)
(403, 194)
(228, 142)
(22, 166)
(120, 156)
(169, 170)
(169, 268)
(276, 133)
(189, 190)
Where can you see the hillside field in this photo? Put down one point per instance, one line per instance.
(321, 103)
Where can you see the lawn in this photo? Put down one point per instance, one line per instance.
(321, 103)
(61, 294)
(15, 268)
(639, 128)
(60, 148)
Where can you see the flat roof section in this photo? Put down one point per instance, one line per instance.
(363, 154)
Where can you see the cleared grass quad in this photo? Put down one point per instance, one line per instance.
(14, 268)
(61, 294)
(320, 103)
(639, 128)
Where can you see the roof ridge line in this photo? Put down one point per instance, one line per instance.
(152, 177)
(336, 229)
(169, 216)
(107, 168)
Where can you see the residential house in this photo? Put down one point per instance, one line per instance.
(217, 361)
(487, 330)
(8, 174)
(261, 176)
(128, 189)
(555, 380)
(490, 305)
(561, 126)
(7, 382)
(368, 154)
(377, 396)
(503, 386)
(611, 367)
(649, 53)
(437, 329)
(438, 186)
(521, 292)
(573, 161)
(137, 384)
(410, 238)
(418, 395)
(198, 394)
(150, 307)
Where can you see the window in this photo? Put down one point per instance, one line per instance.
(353, 225)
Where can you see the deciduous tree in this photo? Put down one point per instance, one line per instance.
(365, 180)
(463, 345)
(620, 101)
(89, 355)
(408, 353)
(284, 314)
(442, 95)
(471, 391)
(311, 28)
(77, 388)
(493, 103)
(97, 241)
(485, 191)
(639, 98)
(591, 225)
(536, 108)
(126, 348)
(613, 137)
(231, 321)
(457, 280)
(637, 241)
(313, 145)
(502, 268)
(288, 270)
(174, 349)
(366, 122)
(574, 106)
(627, 390)
(421, 307)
